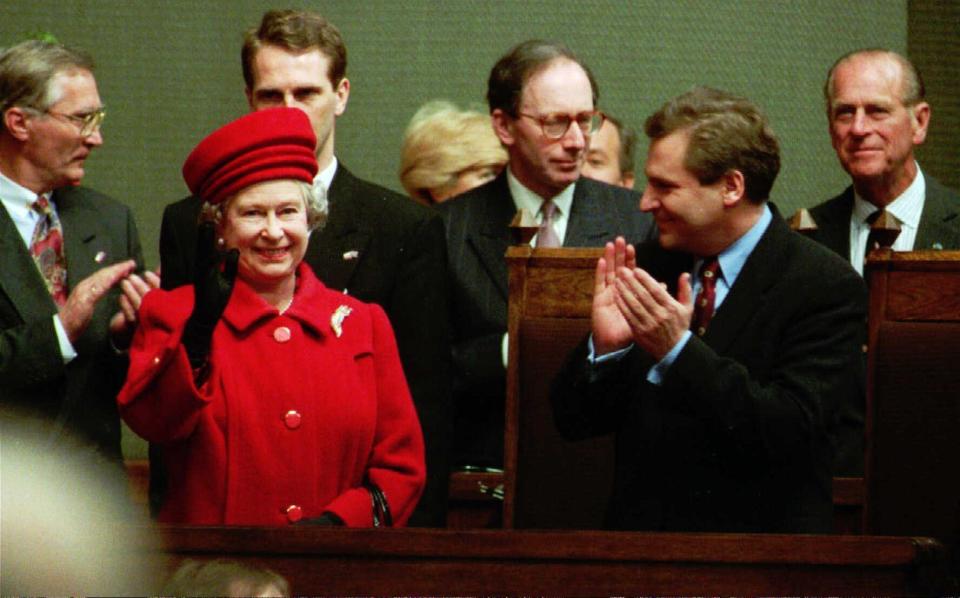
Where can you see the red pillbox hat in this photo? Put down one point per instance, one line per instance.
(276, 143)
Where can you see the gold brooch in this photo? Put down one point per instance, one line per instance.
(336, 320)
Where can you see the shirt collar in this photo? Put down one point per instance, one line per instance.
(15, 194)
(733, 258)
(524, 198)
(325, 176)
(907, 207)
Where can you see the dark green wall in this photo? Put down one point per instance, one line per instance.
(169, 71)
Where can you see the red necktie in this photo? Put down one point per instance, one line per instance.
(704, 303)
(547, 235)
(46, 246)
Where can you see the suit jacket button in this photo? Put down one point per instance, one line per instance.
(281, 334)
(294, 513)
(292, 419)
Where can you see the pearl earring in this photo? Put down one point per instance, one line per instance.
(220, 242)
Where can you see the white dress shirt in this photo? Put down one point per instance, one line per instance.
(524, 198)
(906, 208)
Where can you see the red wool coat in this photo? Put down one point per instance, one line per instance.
(293, 418)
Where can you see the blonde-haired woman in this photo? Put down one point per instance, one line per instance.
(447, 151)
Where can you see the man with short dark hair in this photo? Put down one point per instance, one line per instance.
(543, 106)
(377, 245)
(719, 363)
(878, 116)
(68, 288)
(610, 157)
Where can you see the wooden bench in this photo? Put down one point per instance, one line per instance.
(323, 561)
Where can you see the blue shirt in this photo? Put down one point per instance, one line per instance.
(732, 260)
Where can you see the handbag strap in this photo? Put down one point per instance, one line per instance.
(381, 509)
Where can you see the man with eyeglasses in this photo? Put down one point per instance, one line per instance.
(68, 290)
(542, 101)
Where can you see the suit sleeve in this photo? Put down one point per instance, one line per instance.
(396, 463)
(586, 399)
(30, 355)
(159, 400)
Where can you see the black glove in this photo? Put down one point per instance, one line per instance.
(212, 286)
(328, 519)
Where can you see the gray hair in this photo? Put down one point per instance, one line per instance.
(28, 69)
(316, 203)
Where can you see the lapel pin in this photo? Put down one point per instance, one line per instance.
(101, 255)
(351, 255)
(336, 320)
(938, 246)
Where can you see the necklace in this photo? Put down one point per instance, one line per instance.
(285, 306)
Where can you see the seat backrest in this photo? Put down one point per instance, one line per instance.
(913, 402)
(549, 482)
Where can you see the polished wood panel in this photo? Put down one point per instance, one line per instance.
(913, 405)
(444, 562)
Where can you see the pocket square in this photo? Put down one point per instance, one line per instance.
(351, 255)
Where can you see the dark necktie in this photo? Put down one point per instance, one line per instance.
(704, 303)
(46, 247)
(547, 235)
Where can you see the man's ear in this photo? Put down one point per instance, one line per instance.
(342, 92)
(15, 121)
(503, 126)
(920, 120)
(734, 188)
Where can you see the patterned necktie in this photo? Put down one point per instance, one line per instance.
(704, 303)
(547, 235)
(46, 247)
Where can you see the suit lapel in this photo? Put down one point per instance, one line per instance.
(834, 224)
(335, 251)
(19, 277)
(939, 227)
(82, 238)
(588, 227)
(493, 236)
(759, 273)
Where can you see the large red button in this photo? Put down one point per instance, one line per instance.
(294, 513)
(281, 334)
(292, 419)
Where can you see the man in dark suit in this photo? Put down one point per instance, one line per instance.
(67, 253)
(722, 412)
(543, 108)
(377, 245)
(877, 116)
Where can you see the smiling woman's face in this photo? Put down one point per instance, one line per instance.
(267, 223)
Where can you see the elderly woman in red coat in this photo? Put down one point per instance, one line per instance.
(274, 399)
